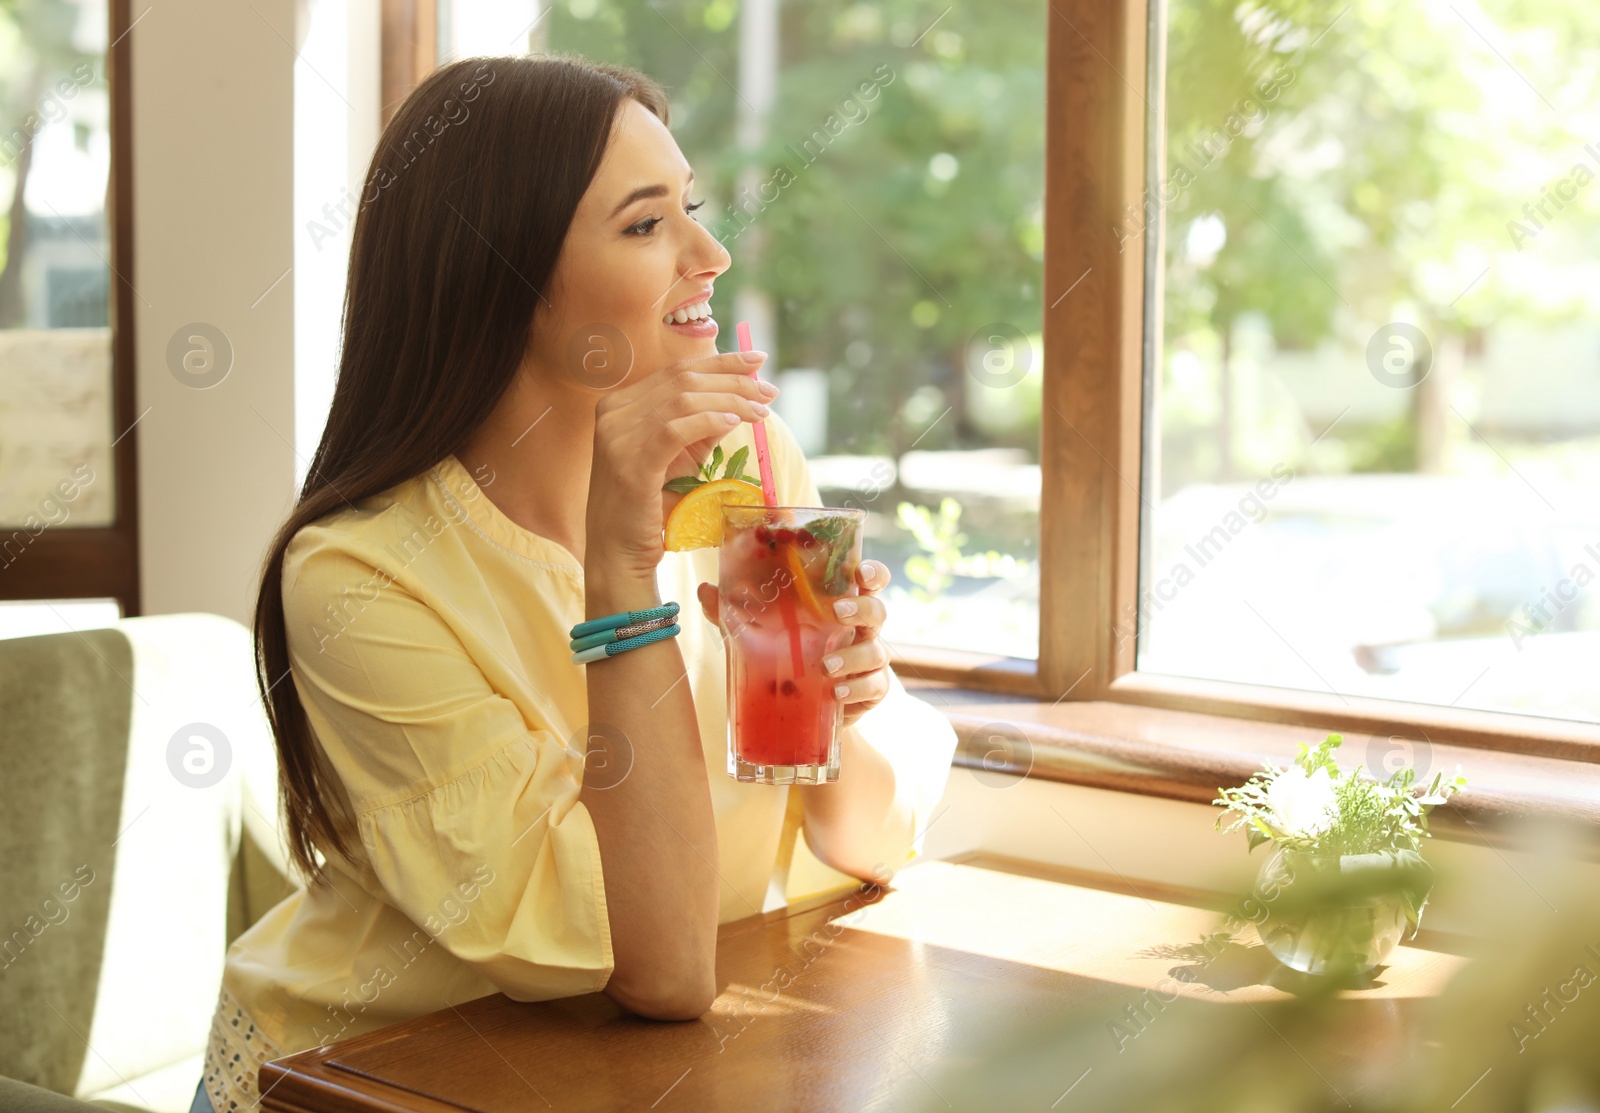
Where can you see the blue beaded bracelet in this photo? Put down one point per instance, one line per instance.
(626, 618)
(611, 649)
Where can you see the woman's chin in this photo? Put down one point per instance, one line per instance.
(688, 349)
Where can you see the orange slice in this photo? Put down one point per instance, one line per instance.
(803, 584)
(696, 522)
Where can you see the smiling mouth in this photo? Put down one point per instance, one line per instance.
(699, 311)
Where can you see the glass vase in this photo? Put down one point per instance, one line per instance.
(1316, 921)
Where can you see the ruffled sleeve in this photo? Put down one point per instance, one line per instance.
(466, 805)
(918, 741)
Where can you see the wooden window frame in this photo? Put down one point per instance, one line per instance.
(102, 561)
(1092, 450)
(410, 38)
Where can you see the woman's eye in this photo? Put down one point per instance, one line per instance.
(646, 226)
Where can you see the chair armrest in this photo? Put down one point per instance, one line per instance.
(19, 1097)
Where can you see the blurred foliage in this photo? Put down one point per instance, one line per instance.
(1366, 171)
(36, 52)
(1373, 155)
(941, 560)
(920, 221)
(1387, 446)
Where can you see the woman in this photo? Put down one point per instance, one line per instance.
(474, 811)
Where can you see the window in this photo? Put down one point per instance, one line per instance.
(67, 523)
(1376, 403)
(876, 171)
(1317, 371)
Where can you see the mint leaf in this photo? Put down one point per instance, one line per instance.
(735, 468)
(683, 484)
(834, 580)
(827, 530)
(715, 463)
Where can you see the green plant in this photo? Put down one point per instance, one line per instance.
(932, 571)
(1345, 838)
(1318, 808)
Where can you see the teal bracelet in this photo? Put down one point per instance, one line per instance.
(600, 637)
(626, 618)
(611, 649)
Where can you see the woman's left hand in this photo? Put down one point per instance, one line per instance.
(861, 668)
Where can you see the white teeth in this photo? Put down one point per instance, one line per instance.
(696, 312)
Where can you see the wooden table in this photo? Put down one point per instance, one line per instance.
(905, 998)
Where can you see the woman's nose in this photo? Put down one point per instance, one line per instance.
(706, 256)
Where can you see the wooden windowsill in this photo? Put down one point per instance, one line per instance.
(1183, 755)
(1539, 735)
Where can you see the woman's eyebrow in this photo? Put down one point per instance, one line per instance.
(657, 190)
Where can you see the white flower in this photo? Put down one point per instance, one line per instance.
(1303, 805)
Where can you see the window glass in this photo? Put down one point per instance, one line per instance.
(1377, 394)
(876, 170)
(55, 339)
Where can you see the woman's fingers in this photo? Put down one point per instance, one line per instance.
(658, 428)
(862, 689)
(728, 373)
(873, 575)
(701, 424)
(704, 416)
(710, 602)
(860, 610)
(853, 660)
(751, 409)
(658, 443)
(683, 412)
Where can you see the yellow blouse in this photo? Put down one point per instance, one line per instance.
(428, 641)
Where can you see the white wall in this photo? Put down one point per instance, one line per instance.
(336, 89)
(212, 163)
(1148, 839)
(213, 89)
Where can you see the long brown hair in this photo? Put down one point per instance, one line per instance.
(457, 230)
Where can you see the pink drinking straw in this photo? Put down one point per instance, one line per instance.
(769, 490)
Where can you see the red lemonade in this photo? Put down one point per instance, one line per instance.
(781, 568)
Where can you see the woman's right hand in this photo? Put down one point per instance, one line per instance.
(653, 430)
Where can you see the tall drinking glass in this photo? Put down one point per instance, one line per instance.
(780, 570)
